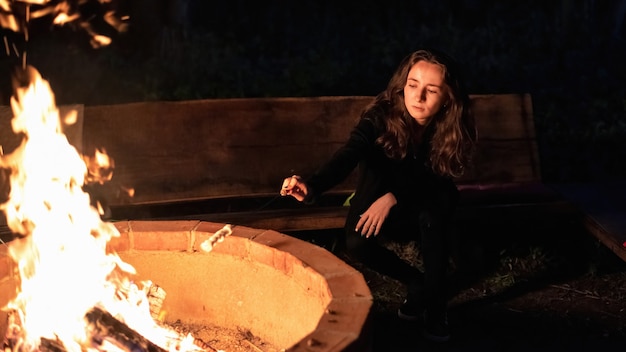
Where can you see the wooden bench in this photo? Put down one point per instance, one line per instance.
(224, 160)
(601, 209)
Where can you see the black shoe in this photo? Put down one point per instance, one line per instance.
(411, 310)
(413, 307)
(436, 330)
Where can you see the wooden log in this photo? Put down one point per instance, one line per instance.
(13, 335)
(101, 326)
(49, 345)
(104, 326)
(14, 338)
(156, 296)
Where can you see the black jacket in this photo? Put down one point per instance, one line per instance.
(410, 179)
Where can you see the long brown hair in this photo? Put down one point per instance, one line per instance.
(454, 130)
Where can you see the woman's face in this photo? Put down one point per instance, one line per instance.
(424, 91)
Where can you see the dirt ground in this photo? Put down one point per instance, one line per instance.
(531, 288)
(577, 314)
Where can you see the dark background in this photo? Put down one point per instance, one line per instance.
(570, 55)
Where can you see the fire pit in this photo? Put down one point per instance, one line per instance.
(71, 282)
(286, 291)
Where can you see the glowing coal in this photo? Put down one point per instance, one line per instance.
(15, 15)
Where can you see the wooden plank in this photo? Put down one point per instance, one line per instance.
(507, 148)
(285, 214)
(281, 220)
(333, 217)
(604, 210)
(608, 238)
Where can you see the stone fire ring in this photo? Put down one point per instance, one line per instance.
(289, 292)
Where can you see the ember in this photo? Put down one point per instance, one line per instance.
(16, 15)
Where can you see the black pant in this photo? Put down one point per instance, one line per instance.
(430, 223)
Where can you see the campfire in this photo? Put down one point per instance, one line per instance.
(71, 288)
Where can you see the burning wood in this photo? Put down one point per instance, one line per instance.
(156, 296)
(104, 331)
(15, 342)
(103, 328)
(48, 345)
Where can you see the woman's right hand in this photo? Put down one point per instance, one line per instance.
(293, 186)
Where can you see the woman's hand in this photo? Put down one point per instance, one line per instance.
(293, 186)
(373, 218)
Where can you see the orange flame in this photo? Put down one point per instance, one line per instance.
(64, 268)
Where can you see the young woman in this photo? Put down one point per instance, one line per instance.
(409, 145)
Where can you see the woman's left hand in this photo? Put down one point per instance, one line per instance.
(373, 218)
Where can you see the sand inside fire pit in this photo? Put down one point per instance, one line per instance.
(228, 340)
(226, 298)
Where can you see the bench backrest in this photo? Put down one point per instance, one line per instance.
(214, 148)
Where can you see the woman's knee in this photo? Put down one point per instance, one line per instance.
(429, 219)
(357, 246)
